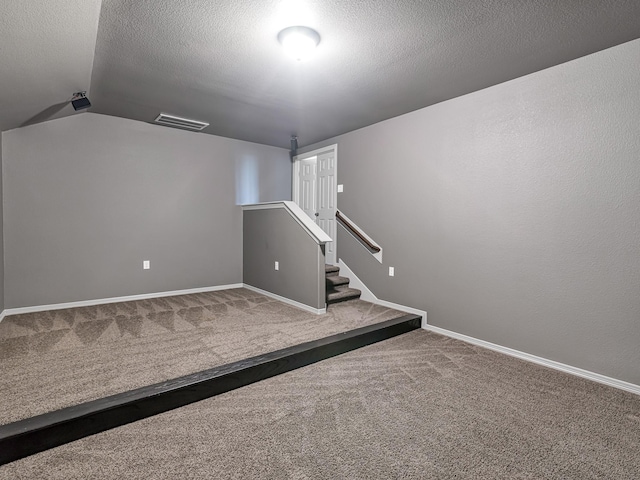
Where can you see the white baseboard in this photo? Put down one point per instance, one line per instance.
(596, 377)
(368, 295)
(354, 282)
(102, 301)
(317, 311)
(145, 296)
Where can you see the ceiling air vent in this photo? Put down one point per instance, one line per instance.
(179, 122)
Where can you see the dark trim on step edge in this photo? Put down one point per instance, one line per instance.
(36, 434)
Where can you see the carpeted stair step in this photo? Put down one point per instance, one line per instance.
(331, 270)
(36, 434)
(338, 289)
(336, 281)
(342, 294)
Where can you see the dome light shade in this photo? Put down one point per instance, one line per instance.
(299, 42)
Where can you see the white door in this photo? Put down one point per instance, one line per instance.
(326, 208)
(314, 190)
(308, 197)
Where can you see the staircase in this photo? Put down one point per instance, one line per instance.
(338, 289)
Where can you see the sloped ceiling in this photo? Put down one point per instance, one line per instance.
(46, 54)
(220, 61)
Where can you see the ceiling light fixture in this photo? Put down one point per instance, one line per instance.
(299, 42)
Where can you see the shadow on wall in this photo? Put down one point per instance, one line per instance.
(45, 114)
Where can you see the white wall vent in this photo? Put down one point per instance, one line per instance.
(179, 122)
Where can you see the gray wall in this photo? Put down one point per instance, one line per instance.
(1, 235)
(512, 214)
(274, 235)
(89, 197)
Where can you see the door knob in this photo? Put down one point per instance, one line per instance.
(317, 214)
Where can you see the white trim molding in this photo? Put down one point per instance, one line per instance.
(298, 214)
(579, 372)
(316, 152)
(146, 296)
(102, 301)
(368, 296)
(331, 250)
(288, 301)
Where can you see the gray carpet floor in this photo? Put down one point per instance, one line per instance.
(417, 406)
(55, 359)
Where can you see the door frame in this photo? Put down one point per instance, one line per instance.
(295, 185)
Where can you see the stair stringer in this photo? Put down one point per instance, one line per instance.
(368, 296)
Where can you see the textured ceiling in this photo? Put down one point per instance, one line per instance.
(220, 61)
